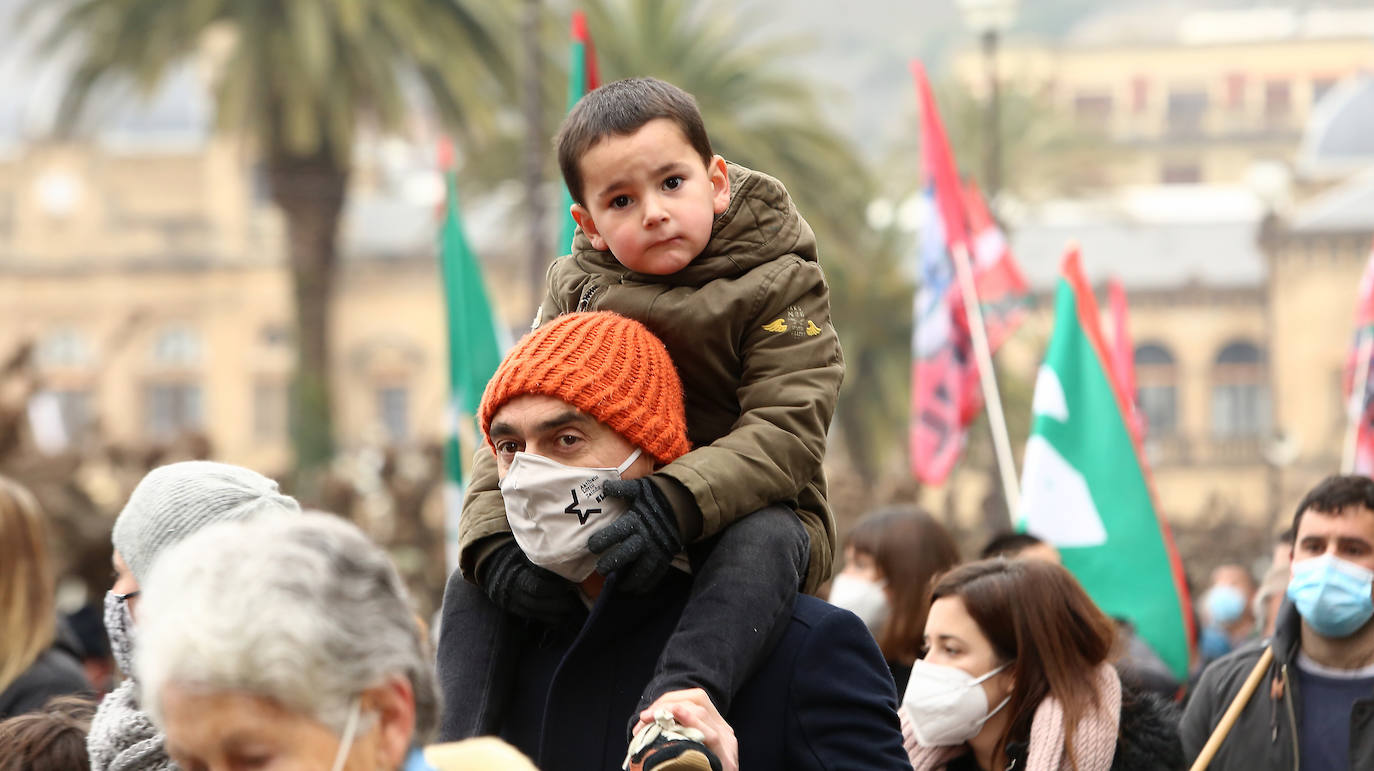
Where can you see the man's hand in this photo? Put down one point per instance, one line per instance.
(517, 585)
(693, 709)
(642, 542)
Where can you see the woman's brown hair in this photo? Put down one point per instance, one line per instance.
(26, 583)
(53, 739)
(1037, 617)
(910, 548)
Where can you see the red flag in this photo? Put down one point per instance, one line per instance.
(1357, 368)
(1123, 357)
(945, 395)
(591, 76)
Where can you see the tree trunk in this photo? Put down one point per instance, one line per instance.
(310, 192)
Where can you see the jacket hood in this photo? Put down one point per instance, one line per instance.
(1147, 736)
(1287, 632)
(761, 224)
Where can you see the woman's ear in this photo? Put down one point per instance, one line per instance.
(394, 704)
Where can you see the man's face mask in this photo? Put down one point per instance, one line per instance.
(1332, 595)
(553, 509)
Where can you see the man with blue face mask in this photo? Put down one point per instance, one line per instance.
(1315, 707)
(583, 407)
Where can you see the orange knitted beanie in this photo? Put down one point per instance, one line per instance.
(608, 366)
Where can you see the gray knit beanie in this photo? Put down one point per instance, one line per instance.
(173, 501)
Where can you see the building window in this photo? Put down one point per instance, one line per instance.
(1156, 389)
(1278, 102)
(1235, 91)
(171, 408)
(1140, 94)
(1320, 86)
(270, 410)
(1180, 173)
(1187, 110)
(1093, 110)
(64, 347)
(177, 346)
(1240, 396)
(393, 412)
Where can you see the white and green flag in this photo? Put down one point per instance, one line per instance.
(1085, 486)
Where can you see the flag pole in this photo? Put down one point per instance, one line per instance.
(982, 353)
(1356, 408)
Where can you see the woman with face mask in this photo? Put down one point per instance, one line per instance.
(890, 558)
(1016, 676)
(290, 643)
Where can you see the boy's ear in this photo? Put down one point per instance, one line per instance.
(720, 183)
(584, 218)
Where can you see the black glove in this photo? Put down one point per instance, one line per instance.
(517, 585)
(642, 542)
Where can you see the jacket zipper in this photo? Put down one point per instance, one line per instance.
(1292, 716)
(584, 303)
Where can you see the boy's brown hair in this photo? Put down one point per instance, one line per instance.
(621, 108)
(53, 739)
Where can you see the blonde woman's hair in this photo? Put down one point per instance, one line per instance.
(26, 583)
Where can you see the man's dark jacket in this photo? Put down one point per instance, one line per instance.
(1266, 736)
(823, 699)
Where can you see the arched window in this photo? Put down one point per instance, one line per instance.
(177, 346)
(1240, 392)
(64, 347)
(1157, 388)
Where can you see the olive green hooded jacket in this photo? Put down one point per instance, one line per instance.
(748, 326)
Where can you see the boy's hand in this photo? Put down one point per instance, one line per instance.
(517, 585)
(642, 542)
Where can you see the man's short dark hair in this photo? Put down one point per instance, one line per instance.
(621, 108)
(1008, 544)
(1335, 494)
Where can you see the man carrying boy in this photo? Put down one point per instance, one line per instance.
(585, 401)
(716, 261)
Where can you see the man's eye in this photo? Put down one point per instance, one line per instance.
(568, 440)
(672, 183)
(507, 448)
(620, 202)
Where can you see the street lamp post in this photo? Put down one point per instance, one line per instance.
(990, 19)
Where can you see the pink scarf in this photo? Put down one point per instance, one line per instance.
(1094, 738)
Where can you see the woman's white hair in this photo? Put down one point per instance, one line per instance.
(305, 611)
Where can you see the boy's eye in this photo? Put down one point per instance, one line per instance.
(620, 202)
(672, 183)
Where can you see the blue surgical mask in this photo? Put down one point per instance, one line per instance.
(1225, 604)
(1332, 595)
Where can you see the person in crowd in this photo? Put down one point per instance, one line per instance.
(583, 400)
(284, 642)
(715, 259)
(169, 504)
(1017, 675)
(890, 557)
(33, 666)
(1228, 621)
(1315, 705)
(1011, 544)
(1268, 599)
(87, 626)
(50, 739)
(1135, 659)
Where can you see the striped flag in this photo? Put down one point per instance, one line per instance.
(473, 348)
(1086, 489)
(582, 77)
(1358, 383)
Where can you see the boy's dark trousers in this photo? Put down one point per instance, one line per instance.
(744, 585)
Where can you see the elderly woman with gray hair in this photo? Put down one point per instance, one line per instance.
(169, 504)
(286, 643)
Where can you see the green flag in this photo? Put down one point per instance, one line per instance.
(1086, 489)
(473, 350)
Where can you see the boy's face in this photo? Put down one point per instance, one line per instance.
(649, 199)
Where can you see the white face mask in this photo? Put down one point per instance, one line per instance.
(946, 705)
(553, 509)
(862, 597)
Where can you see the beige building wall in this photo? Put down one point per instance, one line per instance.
(1181, 113)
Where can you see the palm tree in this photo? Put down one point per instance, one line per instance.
(297, 78)
(764, 115)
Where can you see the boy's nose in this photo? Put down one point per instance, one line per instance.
(654, 213)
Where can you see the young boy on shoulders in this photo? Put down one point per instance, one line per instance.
(716, 261)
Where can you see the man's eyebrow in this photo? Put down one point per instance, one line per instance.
(562, 419)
